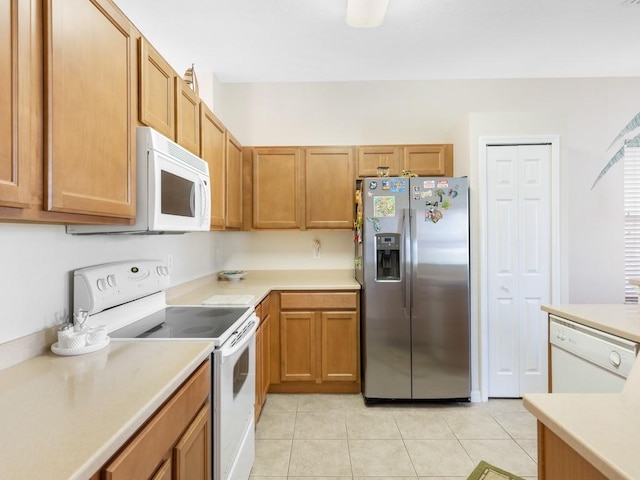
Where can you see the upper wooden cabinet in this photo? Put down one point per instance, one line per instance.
(328, 187)
(276, 188)
(300, 188)
(233, 216)
(429, 160)
(18, 101)
(90, 105)
(187, 117)
(212, 150)
(167, 104)
(372, 157)
(157, 90)
(423, 160)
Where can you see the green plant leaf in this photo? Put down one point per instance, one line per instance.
(634, 142)
(632, 125)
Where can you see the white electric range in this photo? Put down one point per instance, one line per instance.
(129, 298)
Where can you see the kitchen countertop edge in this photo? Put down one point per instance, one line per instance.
(259, 283)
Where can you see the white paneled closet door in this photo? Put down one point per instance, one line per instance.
(519, 267)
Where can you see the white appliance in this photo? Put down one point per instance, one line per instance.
(129, 297)
(586, 360)
(173, 192)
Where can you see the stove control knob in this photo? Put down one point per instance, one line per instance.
(102, 284)
(615, 359)
(112, 280)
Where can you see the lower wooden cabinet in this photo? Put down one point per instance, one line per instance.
(175, 443)
(263, 354)
(558, 461)
(318, 340)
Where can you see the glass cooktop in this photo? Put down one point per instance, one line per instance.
(184, 322)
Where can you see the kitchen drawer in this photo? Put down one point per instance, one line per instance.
(318, 300)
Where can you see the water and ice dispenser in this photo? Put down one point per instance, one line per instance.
(387, 256)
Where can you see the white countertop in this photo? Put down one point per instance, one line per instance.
(258, 284)
(64, 417)
(603, 428)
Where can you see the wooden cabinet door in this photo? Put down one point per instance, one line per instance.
(234, 183)
(276, 188)
(16, 77)
(339, 346)
(187, 117)
(157, 90)
(90, 76)
(429, 160)
(329, 187)
(212, 150)
(372, 157)
(192, 453)
(298, 342)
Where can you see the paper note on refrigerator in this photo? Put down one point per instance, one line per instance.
(384, 206)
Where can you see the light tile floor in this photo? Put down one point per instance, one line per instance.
(338, 437)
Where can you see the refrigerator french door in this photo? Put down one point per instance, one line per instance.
(412, 260)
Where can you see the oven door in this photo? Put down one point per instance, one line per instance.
(234, 397)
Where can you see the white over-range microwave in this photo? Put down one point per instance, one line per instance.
(173, 190)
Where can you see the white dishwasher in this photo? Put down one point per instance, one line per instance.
(586, 360)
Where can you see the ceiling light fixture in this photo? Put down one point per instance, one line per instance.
(366, 13)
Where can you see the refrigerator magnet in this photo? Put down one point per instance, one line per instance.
(399, 185)
(428, 213)
(384, 206)
(373, 185)
(375, 222)
(386, 185)
(443, 184)
(429, 184)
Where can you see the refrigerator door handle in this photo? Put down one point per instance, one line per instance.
(406, 235)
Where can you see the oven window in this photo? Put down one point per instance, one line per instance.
(176, 195)
(240, 372)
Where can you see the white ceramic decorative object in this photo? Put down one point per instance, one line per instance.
(233, 275)
(58, 350)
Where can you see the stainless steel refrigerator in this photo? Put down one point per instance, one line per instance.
(412, 260)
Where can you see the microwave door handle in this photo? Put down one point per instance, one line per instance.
(204, 203)
(192, 200)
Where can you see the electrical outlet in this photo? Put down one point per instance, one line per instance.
(170, 262)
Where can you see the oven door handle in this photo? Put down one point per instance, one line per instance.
(242, 339)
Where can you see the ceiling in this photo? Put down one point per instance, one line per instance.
(308, 40)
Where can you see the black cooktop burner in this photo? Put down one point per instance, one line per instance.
(183, 322)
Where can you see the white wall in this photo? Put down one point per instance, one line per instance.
(37, 261)
(286, 250)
